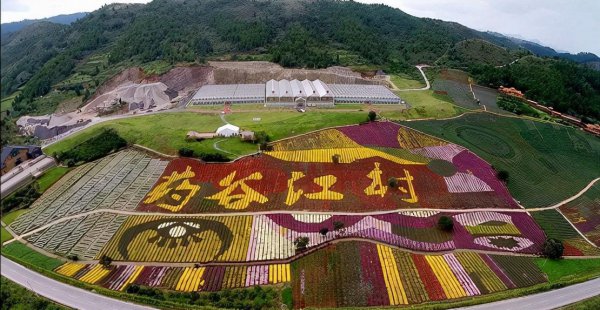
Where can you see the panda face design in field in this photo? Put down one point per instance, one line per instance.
(170, 233)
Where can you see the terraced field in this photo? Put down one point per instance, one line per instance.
(547, 163)
(584, 213)
(271, 237)
(183, 279)
(556, 226)
(489, 98)
(458, 91)
(345, 274)
(338, 174)
(118, 182)
(358, 274)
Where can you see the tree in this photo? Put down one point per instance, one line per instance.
(301, 243)
(553, 248)
(393, 182)
(372, 116)
(445, 223)
(105, 261)
(323, 231)
(503, 176)
(261, 137)
(185, 152)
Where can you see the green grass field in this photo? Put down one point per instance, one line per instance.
(10, 217)
(51, 176)
(403, 81)
(24, 253)
(166, 132)
(566, 268)
(588, 304)
(547, 163)
(425, 104)
(4, 235)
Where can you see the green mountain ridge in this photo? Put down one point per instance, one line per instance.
(309, 34)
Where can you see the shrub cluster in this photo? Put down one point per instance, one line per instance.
(99, 146)
(22, 198)
(209, 157)
(250, 298)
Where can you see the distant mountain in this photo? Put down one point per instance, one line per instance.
(545, 51)
(64, 19)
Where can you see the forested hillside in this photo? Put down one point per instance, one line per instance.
(561, 84)
(26, 51)
(310, 33)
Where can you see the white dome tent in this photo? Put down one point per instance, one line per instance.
(228, 130)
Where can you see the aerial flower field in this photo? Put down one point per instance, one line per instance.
(344, 170)
(367, 198)
(184, 279)
(343, 274)
(270, 237)
(584, 213)
(386, 276)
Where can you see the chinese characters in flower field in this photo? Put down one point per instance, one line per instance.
(173, 185)
(237, 193)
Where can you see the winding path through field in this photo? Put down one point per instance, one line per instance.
(216, 147)
(140, 213)
(427, 84)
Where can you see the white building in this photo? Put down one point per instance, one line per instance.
(232, 93)
(294, 93)
(228, 130)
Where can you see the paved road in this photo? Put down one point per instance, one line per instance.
(547, 300)
(427, 86)
(59, 292)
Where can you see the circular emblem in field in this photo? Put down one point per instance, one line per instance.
(485, 141)
(442, 167)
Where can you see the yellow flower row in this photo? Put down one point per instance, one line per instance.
(279, 273)
(136, 272)
(448, 280)
(97, 273)
(485, 229)
(410, 139)
(391, 276)
(347, 155)
(324, 139)
(70, 269)
(474, 264)
(190, 280)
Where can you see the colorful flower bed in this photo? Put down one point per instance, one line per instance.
(556, 226)
(407, 278)
(271, 237)
(345, 169)
(584, 213)
(184, 279)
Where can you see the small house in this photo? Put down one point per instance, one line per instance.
(247, 135)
